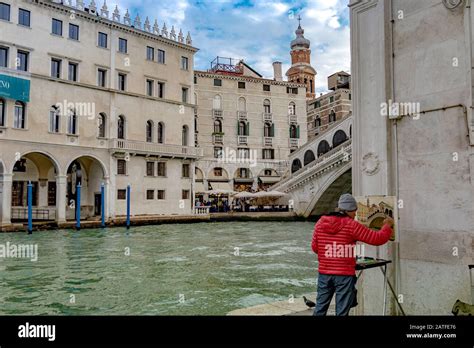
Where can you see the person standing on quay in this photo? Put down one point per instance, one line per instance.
(337, 270)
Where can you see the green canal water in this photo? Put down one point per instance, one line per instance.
(185, 269)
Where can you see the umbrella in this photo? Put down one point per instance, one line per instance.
(244, 194)
(269, 194)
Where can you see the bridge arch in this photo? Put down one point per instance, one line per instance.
(339, 138)
(323, 148)
(296, 165)
(309, 157)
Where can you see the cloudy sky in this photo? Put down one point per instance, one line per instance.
(259, 31)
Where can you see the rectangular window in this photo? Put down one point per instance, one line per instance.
(291, 90)
(350, 96)
(185, 194)
(102, 40)
(24, 17)
(150, 168)
(243, 153)
(184, 63)
(217, 172)
(268, 154)
(56, 68)
(57, 28)
(4, 11)
(161, 168)
(184, 94)
(317, 105)
(4, 57)
(149, 87)
(161, 194)
(150, 194)
(54, 119)
(266, 88)
(74, 32)
(123, 45)
(242, 85)
(121, 167)
(217, 82)
(185, 171)
(122, 195)
(161, 89)
(150, 53)
(20, 113)
(161, 57)
(22, 60)
(331, 99)
(72, 71)
(122, 82)
(102, 77)
(51, 194)
(195, 80)
(218, 152)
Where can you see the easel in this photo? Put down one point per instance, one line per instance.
(368, 263)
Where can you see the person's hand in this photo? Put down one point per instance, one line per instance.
(389, 221)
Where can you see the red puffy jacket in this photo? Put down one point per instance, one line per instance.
(334, 241)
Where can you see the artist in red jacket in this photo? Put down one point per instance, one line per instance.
(334, 240)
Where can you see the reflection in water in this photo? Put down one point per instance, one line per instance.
(148, 271)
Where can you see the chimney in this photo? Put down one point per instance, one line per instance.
(277, 74)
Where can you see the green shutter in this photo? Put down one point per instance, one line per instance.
(272, 132)
(298, 132)
(248, 128)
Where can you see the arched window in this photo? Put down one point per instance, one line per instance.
(332, 116)
(149, 131)
(2, 112)
(317, 122)
(217, 126)
(309, 157)
(293, 132)
(102, 123)
(242, 128)
(323, 148)
(185, 136)
(292, 109)
(217, 103)
(296, 165)
(339, 138)
(54, 119)
(121, 127)
(242, 104)
(267, 130)
(72, 122)
(267, 106)
(20, 115)
(161, 133)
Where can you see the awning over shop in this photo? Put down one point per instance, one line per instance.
(270, 179)
(243, 181)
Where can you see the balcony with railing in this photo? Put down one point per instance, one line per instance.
(267, 117)
(217, 113)
(242, 140)
(267, 142)
(218, 138)
(144, 148)
(242, 115)
(292, 119)
(294, 143)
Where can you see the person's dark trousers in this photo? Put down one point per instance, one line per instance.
(343, 286)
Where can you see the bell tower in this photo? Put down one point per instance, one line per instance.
(301, 70)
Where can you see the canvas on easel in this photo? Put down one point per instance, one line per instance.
(372, 211)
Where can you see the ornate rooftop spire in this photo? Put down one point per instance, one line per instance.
(127, 20)
(300, 41)
(164, 31)
(173, 33)
(138, 22)
(189, 41)
(116, 14)
(92, 6)
(181, 36)
(104, 11)
(156, 28)
(147, 25)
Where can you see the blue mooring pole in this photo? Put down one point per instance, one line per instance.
(128, 206)
(102, 205)
(78, 206)
(30, 207)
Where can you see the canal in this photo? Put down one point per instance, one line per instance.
(185, 269)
